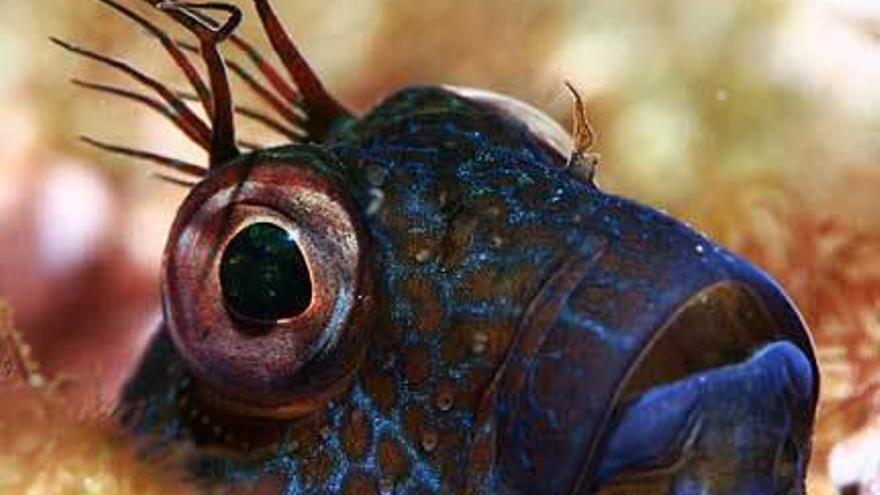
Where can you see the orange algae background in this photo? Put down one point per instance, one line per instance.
(758, 121)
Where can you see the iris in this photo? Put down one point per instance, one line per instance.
(264, 275)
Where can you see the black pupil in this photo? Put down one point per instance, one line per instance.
(264, 275)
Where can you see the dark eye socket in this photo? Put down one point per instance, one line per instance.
(263, 274)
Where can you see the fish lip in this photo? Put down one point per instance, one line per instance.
(666, 418)
(782, 316)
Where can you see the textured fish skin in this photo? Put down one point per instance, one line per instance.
(514, 302)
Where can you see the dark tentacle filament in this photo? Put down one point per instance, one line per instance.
(179, 57)
(170, 179)
(291, 133)
(223, 143)
(171, 163)
(285, 110)
(323, 110)
(152, 103)
(306, 109)
(192, 125)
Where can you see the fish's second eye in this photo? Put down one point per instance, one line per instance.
(264, 275)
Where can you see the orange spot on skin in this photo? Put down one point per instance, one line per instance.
(459, 238)
(427, 309)
(414, 422)
(450, 452)
(418, 365)
(356, 434)
(533, 237)
(482, 283)
(418, 249)
(317, 467)
(491, 207)
(444, 399)
(473, 386)
(380, 386)
(392, 459)
(360, 484)
(490, 282)
(464, 332)
(429, 440)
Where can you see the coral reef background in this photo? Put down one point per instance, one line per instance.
(758, 121)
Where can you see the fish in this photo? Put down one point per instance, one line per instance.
(438, 297)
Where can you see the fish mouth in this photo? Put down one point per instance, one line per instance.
(721, 325)
(719, 389)
(724, 387)
(605, 330)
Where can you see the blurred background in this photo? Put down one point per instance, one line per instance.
(758, 121)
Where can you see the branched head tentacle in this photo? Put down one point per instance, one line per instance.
(204, 28)
(283, 108)
(582, 162)
(155, 158)
(180, 58)
(293, 134)
(323, 110)
(304, 110)
(210, 34)
(189, 122)
(156, 105)
(176, 181)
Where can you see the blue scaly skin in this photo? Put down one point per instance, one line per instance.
(515, 301)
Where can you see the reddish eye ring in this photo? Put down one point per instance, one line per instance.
(264, 366)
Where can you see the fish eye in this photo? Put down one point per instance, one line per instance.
(264, 275)
(266, 291)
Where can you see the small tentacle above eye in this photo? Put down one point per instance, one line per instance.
(258, 116)
(180, 58)
(275, 79)
(210, 34)
(194, 127)
(582, 163)
(204, 28)
(170, 179)
(283, 109)
(152, 103)
(161, 160)
(322, 109)
(288, 92)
